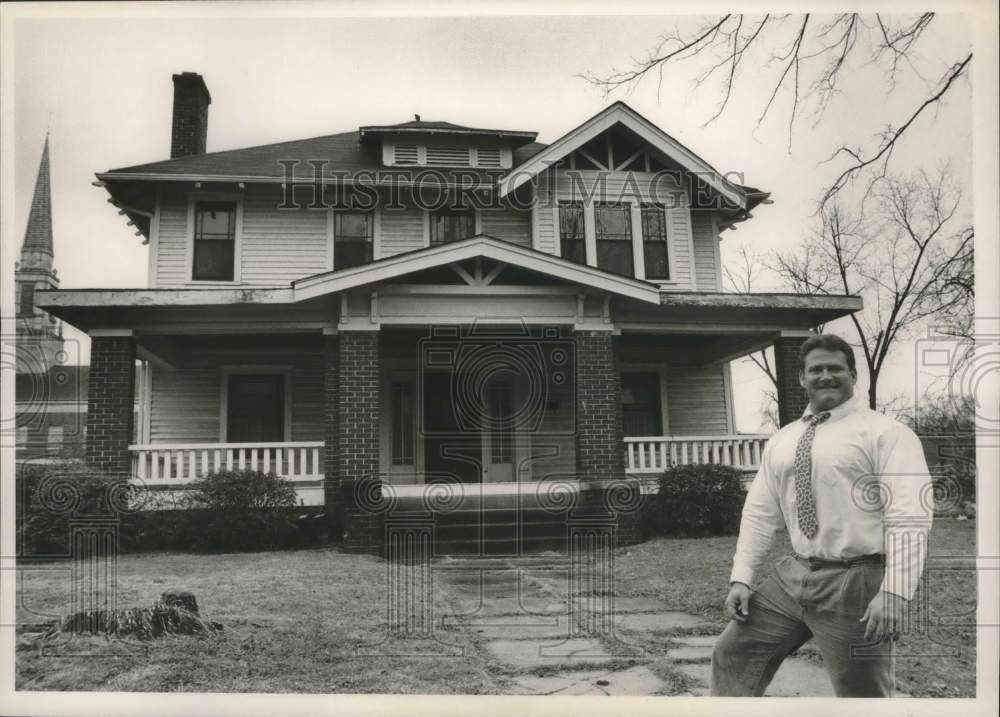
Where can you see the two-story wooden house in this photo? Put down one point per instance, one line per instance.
(425, 304)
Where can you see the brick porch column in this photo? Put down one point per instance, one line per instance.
(792, 398)
(600, 445)
(110, 404)
(358, 441)
(331, 434)
(600, 452)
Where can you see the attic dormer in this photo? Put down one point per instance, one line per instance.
(443, 144)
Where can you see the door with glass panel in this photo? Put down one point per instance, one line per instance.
(402, 453)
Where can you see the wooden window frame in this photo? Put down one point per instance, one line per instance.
(193, 199)
(659, 369)
(259, 369)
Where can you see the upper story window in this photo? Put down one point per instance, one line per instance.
(613, 233)
(572, 242)
(353, 239)
(448, 225)
(654, 241)
(214, 241)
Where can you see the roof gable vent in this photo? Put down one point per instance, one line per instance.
(448, 156)
(488, 157)
(405, 154)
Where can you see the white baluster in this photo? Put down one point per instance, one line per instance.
(663, 456)
(229, 459)
(241, 458)
(684, 453)
(315, 468)
(204, 463)
(267, 460)
(673, 452)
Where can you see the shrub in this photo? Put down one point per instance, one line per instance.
(696, 500)
(245, 510)
(50, 495)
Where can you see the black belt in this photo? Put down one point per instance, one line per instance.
(819, 563)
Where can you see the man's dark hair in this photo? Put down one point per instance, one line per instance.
(829, 342)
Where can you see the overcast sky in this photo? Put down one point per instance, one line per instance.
(103, 88)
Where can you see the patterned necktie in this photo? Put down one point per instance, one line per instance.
(803, 477)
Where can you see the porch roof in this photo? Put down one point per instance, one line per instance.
(481, 246)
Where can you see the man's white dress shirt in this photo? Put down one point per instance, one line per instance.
(871, 489)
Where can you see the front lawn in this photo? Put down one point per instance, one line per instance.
(693, 575)
(291, 623)
(293, 619)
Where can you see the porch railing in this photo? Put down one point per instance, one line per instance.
(180, 463)
(654, 454)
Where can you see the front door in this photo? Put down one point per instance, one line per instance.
(255, 408)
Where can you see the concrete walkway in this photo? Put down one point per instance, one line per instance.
(519, 615)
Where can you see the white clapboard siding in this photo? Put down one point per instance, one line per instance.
(508, 224)
(281, 245)
(171, 243)
(185, 403)
(402, 230)
(705, 255)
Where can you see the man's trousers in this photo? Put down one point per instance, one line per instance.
(802, 600)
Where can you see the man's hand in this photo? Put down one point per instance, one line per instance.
(884, 616)
(738, 602)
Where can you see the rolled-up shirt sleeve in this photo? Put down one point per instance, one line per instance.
(762, 518)
(908, 509)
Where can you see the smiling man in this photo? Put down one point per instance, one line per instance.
(852, 488)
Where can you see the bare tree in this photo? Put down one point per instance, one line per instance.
(808, 57)
(741, 275)
(902, 258)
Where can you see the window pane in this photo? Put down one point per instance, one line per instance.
(351, 253)
(641, 409)
(571, 221)
(655, 254)
(357, 225)
(612, 222)
(215, 220)
(616, 257)
(449, 225)
(214, 240)
(213, 260)
(654, 224)
(573, 249)
(402, 424)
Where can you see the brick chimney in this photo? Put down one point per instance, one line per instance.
(189, 128)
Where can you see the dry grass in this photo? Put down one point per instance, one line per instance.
(293, 620)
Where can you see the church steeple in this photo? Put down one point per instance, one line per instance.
(36, 252)
(38, 333)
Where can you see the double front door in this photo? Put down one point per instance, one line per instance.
(444, 433)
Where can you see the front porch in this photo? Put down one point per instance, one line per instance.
(173, 466)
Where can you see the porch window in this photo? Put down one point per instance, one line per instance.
(613, 230)
(571, 237)
(255, 408)
(402, 429)
(641, 407)
(214, 241)
(448, 225)
(654, 241)
(353, 239)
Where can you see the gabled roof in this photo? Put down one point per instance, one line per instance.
(344, 152)
(617, 113)
(483, 246)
